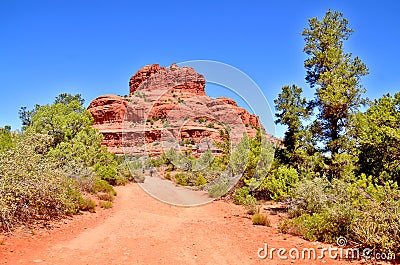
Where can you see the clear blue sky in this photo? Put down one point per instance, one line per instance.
(93, 47)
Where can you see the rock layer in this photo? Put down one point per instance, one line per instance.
(168, 108)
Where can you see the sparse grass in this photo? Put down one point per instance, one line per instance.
(260, 219)
(210, 125)
(284, 225)
(253, 209)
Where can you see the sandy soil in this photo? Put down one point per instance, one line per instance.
(142, 230)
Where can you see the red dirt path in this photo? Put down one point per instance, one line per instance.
(141, 230)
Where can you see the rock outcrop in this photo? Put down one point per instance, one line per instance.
(108, 109)
(168, 108)
(153, 78)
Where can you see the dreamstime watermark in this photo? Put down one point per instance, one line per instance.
(340, 252)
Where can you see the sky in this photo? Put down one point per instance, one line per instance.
(93, 47)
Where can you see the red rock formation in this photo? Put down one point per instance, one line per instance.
(179, 79)
(108, 109)
(247, 118)
(142, 75)
(227, 101)
(167, 105)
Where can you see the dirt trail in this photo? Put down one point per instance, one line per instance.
(142, 230)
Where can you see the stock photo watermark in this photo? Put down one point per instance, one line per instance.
(337, 253)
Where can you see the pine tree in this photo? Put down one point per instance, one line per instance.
(291, 107)
(335, 75)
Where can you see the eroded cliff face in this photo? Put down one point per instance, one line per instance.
(168, 108)
(108, 109)
(156, 78)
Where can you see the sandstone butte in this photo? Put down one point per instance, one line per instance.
(168, 108)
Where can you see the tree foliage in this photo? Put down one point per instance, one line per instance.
(26, 116)
(378, 134)
(345, 164)
(292, 111)
(335, 75)
(66, 98)
(6, 140)
(44, 170)
(61, 121)
(291, 108)
(280, 182)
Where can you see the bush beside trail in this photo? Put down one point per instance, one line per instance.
(51, 169)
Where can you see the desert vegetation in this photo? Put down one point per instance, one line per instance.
(336, 171)
(55, 166)
(338, 168)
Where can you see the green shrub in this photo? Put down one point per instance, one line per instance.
(104, 186)
(323, 210)
(32, 186)
(6, 141)
(325, 226)
(377, 223)
(83, 175)
(218, 189)
(378, 227)
(154, 162)
(362, 211)
(260, 219)
(168, 176)
(107, 173)
(138, 176)
(124, 172)
(181, 179)
(87, 204)
(365, 212)
(135, 164)
(105, 196)
(105, 204)
(75, 199)
(310, 196)
(284, 225)
(280, 183)
(242, 197)
(44, 170)
(201, 181)
(121, 181)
